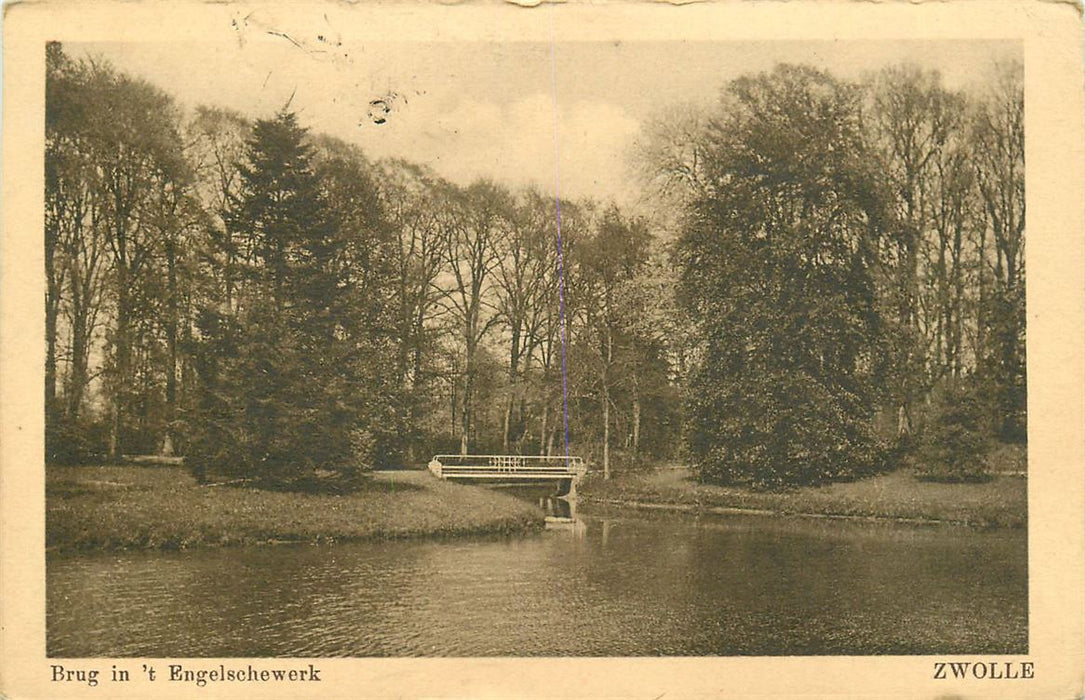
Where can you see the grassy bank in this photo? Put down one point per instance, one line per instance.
(126, 507)
(1001, 502)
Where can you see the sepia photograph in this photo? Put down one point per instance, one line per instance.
(535, 349)
(357, 345)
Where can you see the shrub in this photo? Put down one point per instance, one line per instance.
(953, 443)
(780, 429)
(70, 443)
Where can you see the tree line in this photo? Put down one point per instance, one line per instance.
(827, 262)
(266, 300)
(852, 258)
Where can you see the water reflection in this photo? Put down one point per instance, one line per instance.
(558, 507)
(623, 584)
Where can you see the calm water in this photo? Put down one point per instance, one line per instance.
(620, 583)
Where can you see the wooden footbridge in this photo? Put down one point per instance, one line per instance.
(566, 471)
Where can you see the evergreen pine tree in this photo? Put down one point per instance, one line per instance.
(282, 401)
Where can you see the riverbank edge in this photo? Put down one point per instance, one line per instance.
(737, 510)
(889, 498)
(434, 534)
(132, 508)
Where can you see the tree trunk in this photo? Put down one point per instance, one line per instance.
(121, 261)
(505, 426)
(606, 402)
(77, 379)
(981, 320)
(957, 305)
(542, 428)
(904, 422)
(116, 449)
(465, 410)
(514, 373)
(54, 285)
(172, 323)
(606, 433)
(51, 313)
(453, 408)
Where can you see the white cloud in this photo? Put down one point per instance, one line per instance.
(513, 143)
(485, 109)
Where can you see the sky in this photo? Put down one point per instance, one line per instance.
(564, 117)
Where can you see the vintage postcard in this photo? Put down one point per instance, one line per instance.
(625, 350)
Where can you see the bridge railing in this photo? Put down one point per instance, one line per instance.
(507, 466)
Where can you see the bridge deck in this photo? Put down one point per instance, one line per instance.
(507, 467)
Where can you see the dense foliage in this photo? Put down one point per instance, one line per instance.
(280, 390)
(779, 275)
(953, 444)
(820, 259)
(836, 259)
(295, 309)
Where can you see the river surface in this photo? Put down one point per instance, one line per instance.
(617, 583)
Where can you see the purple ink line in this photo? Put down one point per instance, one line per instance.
(561, 255)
